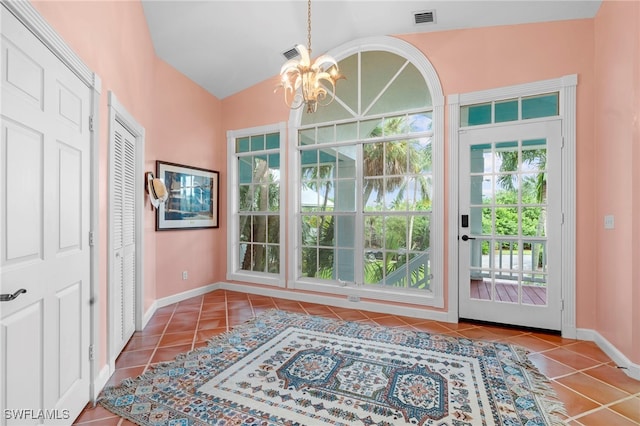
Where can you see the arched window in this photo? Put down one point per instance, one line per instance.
(367, 180)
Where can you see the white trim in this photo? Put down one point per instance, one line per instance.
(424, 66)
(179, 297)
(453, 285)
(629, 368)
(382, 308)
(101, 379)
(566, 86)
(117, 112)
(34, 22)
(232, 202)
(31, 18)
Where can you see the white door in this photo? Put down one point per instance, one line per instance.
(44, 191)
(123, 190)
(509, 224)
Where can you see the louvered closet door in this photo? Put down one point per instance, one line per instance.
(123, 281)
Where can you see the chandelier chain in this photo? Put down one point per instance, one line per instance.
(309, 26)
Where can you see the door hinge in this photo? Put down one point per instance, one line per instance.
(562, 305)
(90, 352)
(91, 123)
(562, 219)
(92, 240)
(562, 143)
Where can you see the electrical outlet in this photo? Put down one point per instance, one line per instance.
(353, 298)
(185, 275)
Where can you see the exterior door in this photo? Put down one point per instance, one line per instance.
(45, 213)
(123, 282)
(509, 224)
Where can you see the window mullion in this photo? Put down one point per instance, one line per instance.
(358, 244)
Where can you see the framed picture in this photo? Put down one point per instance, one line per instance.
(192, 201)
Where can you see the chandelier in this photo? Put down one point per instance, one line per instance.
(311, 79)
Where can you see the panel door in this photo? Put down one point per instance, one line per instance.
(44, 191)
(509, 224)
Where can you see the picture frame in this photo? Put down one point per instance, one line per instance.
(193, 197)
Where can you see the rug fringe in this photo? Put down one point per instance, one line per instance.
(540, 387)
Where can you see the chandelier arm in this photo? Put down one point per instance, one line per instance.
(305, 83)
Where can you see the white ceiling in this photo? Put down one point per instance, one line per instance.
(226, 46)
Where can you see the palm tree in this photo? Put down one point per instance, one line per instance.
(509, 163)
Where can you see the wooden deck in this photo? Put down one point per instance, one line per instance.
(506, 292)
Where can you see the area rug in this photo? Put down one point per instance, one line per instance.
(291, 369)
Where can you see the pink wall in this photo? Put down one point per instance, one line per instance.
(182, 124)
(617, 69)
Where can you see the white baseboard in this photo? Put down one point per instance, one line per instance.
(629, 368)
(336, 302)
(169, 300)
(100, 382)
(147, 315)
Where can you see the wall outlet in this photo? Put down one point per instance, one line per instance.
(185, 275)
(609, 221)
(353, 298)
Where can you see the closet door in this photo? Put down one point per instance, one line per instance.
(123, 253)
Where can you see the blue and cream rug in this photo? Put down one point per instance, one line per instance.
(291, 369)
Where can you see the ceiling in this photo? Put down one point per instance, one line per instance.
(226, 46)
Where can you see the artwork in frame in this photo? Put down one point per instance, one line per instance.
(192, 202)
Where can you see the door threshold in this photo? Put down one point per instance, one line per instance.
(511, 326)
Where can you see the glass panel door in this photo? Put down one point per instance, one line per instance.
(509, 224)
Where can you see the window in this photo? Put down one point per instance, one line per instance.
(367, 189)
(522, 108)
(255, 200)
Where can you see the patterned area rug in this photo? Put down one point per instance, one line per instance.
(291, 369)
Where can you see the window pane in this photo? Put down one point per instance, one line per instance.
(257, 143)
(273, 226)
(326, 134)
(540, 106)
(422, 122)
(420, 232)
(346, 157)
(475, 115)
(345, 199)
(273, 259)
(307, 136)
(245, 228)
(345, 265)
(242, 145)
(273, 141)
(373, 159)
(506, 111)
(245, 170)
(346, 132)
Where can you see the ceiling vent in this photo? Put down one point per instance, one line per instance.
(424, 17)
(291, 53)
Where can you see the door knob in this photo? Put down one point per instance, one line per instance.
(9, 297)
(466, 237)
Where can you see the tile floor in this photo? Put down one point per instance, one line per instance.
(594, 391)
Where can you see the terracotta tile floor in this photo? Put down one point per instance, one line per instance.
(593, 390)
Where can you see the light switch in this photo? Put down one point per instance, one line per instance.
(608, 221)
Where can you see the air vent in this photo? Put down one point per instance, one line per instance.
(291, 53)
(424, 17)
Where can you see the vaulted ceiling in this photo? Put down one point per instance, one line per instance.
(226, 46)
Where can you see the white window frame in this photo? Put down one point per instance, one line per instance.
(233, 226)
(566, 88)
(435, 298)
